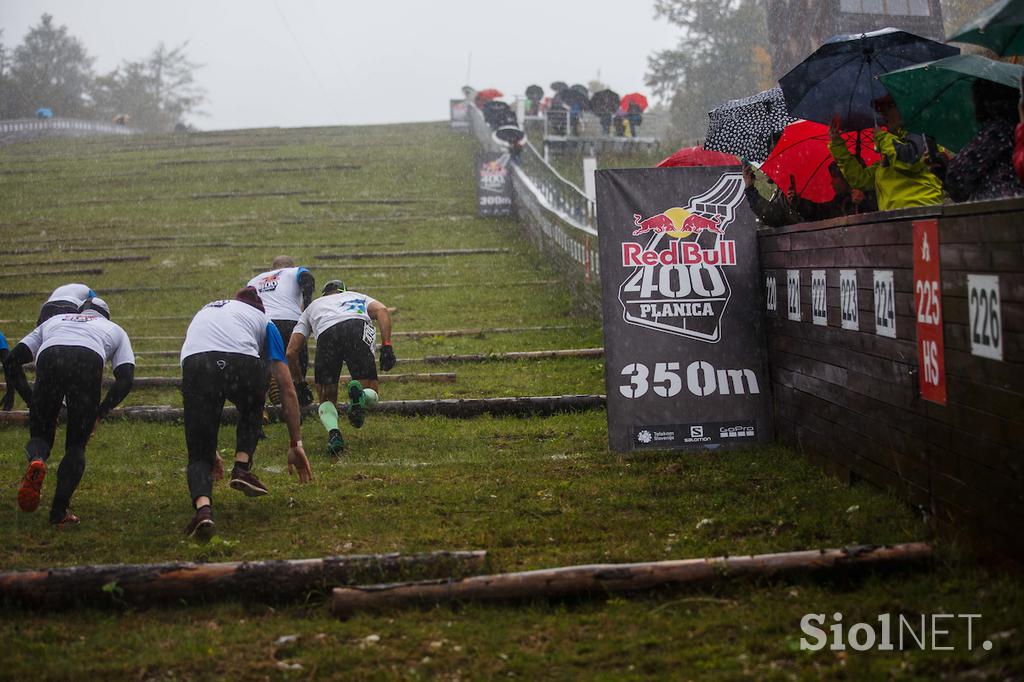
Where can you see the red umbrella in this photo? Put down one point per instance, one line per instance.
(698, 156)
(633, 98)
(485, 96)
(802, 156)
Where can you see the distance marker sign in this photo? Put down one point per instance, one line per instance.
(928, 306)
(683, 304)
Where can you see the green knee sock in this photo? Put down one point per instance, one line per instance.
(329, 416)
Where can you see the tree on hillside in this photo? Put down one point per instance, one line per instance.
(157, 92)
(50, 69)
(5, 67)
(721, 55)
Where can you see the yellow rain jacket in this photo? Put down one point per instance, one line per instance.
(902, 177)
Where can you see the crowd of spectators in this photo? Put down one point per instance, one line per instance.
(913, 170)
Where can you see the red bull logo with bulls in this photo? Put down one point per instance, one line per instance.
(679, 282)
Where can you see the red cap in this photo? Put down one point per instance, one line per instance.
(249, 295)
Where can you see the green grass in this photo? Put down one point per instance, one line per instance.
(533, 492)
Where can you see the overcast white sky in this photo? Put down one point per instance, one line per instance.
(323, 62)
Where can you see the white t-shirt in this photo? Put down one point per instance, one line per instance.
(89, 330)
(73, 293)
(230, 327)
(329, 310)
(280, 292)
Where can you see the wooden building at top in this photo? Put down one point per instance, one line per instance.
(797, 27)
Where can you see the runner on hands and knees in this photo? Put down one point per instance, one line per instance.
(223, 358)
(70, 351)
(342, 323)
(14, 377)
(286, 290)
(68, 298)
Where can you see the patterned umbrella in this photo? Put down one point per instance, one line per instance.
(748, 127)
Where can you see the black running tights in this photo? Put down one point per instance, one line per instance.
(207, 380)
(73, 373)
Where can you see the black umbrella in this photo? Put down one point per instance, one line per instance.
(534, 93)
(558, 86)
(497, 114)
(572, 99)
(839, 78)
(604, 102)
(580, 88)
(510, 135)
(748, 127)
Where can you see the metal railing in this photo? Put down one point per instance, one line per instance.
(27, 125)
(554, 210)
(557, 127)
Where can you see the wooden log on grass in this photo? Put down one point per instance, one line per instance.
(40, 273)
(572, 581)
(118, 290)
(174, 382)
(261, 581)
(372, 266)
(514, 355)
(86, 261)
(409, 254)
(458, 408)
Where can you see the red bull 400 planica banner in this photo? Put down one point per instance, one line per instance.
(493, 184)
(685, 361)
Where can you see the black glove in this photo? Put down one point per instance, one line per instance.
(303, 393)
(387, 358)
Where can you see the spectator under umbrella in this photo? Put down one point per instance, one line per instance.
(800, 159)
(575, 102)
(604, 104)
(631, 110)
(485, 96)
(534, 95)
(983, 169)
(582, 89)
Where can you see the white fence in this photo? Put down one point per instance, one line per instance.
(558, 215)
(61, 125)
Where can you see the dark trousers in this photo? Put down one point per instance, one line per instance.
(207, 380)
(73, 373)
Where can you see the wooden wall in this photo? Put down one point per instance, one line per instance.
(851, 400)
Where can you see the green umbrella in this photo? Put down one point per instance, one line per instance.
(935, 97)
(998, 28)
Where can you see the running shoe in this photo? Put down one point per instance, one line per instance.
(356, 411)
(335, 443)
(31, 485)
(69, 519)
(247, 482)
(201, 527)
